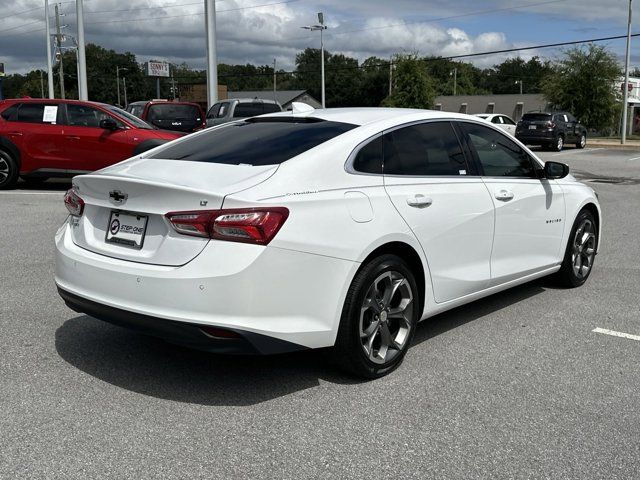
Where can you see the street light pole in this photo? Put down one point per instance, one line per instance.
(625, 102)
(455, 81)
(321, 26)
(124, 84)
(83, 93)
(118, 69)
(59, 43)
(212, 54)
(519, 82)
(49, 65)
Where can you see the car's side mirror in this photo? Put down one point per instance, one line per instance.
(555, 170)
(108, 124)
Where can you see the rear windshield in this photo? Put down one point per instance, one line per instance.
(173, 112)
(536, 117)
(255, 142)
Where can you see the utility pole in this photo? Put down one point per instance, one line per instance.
(390, 76)
(49, 65)
(59, 46)
(519, 82)
(41, 85)
(212, 54)
(83, 93)
(275, 98)
(455, 81)
(118, 70)
(625, 102)
(124, 84)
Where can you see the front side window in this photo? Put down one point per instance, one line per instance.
(507, 121)
(257, 142)
(498, 156)
(424, 149)
(224, 108)
(496, 120)
(85, 116)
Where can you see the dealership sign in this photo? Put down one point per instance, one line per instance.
(157, 69)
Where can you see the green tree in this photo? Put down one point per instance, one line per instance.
(466, 77)
(374, 84)
(584, 83)
(413, 87)
(502, 78)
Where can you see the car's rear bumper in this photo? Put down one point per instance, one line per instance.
(537, 138)
(187, 334)
(286, 295)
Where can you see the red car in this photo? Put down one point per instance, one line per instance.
(170, 115)
(43, 138)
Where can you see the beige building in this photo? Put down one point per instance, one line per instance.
(513, 105)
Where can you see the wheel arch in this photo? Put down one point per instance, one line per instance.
(413, 259)
(595, 211)
(11, 148)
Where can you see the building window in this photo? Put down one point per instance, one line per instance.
(463, 107)
(491, 106)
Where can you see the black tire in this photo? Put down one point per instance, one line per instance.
(582, 141)
(558, 143)
(350, 351)
(8, 171)
(568, 276)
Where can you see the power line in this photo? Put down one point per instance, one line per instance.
(438, 19)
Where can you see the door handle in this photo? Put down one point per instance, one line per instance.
(73, 137)
(419, 201)
(16, 134)
(504, 195)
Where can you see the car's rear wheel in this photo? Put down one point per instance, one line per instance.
(8, 171)
(558, 144)
(580, 253)
(582, 141)
(378, 319)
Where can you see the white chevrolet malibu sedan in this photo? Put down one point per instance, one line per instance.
(336, 228)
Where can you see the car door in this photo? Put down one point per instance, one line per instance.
(449, 210)
(90, 147)
(35, 129)
(508, 125)
(529, 210)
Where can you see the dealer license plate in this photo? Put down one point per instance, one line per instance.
(127, 229)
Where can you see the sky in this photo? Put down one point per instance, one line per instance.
(259, 31)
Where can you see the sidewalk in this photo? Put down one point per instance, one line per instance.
(613, 143)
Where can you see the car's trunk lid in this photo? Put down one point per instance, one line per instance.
(138, 193)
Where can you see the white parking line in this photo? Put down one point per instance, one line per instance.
(613, 333)
(568, 152)
(634, 158)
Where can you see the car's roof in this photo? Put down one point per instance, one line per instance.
(250, 100)
(369, 115)
(50, 100)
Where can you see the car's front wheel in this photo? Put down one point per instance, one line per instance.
(8, 171)
(582, 141)
(379, 318)
(581, 251)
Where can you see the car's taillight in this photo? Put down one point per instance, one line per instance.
(74, 203)
(247, 225)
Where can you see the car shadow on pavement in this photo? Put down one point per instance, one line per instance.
(150, 366)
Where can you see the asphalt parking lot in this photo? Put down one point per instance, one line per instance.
(517, 385)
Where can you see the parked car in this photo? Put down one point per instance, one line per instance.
(551, 130)
(333, 228)
(229, 110)
(61, 138)
(179, 116)
(501, 121)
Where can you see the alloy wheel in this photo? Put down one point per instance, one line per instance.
(4, 170)
(559, 143)
(385, 317)
(583, 141)
(584, 249)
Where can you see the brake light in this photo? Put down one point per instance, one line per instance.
(74, 203)
(247, 225)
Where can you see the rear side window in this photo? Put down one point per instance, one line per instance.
(424, 149)
(369, 158)
(37, 113)
(536, 117)
(255, 142)
(10, 113)
(245, 110)
(499, 156)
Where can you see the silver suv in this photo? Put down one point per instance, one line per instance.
(233, 109)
